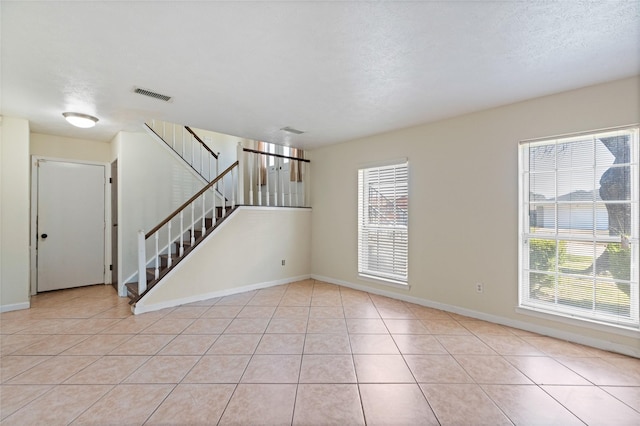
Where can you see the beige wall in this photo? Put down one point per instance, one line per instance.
(463, 203)
(70, 148)
(14, 213)
(246, 250)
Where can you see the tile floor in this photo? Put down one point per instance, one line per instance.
(307, 353)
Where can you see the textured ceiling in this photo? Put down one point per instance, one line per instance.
(337, 70)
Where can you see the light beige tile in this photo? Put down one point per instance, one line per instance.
(54, 325)
(193, 404)
(437, 369)
(163, 369)
(281, 344)
(125, 404)
(222, 312)
(525, 404)
(186, 344)
(287, 325)
(555, 347)
(143, 344)
(9, 344)
(54, 370)
(478, 327)
(235, 344)
(327, 344)
(491, 369)
(324, 404)
(406, 326)
(14, 397)
(247, 325)
(327, 325)
(465, 345)
(327, 369)
(366, 326)
(382, 369)
(429, 314)
(59, 406)
(363, 311)
(208, 326)
(326, 312)
(593, 405)
(463, 404)
(600, 372)
(291, 312)
(395, 312)
(100, 344)
(186, 312)
(240, 299)
(107, 370)
(419, 344)
(373, 344)
(168, 326)
(260, 404)
(218, 369)
(273, 369)
(11, 366)
(53, 345)
(257, 312)
(509, 345)
(395, 404)
(627, 394)
(445, 327)
(546, 371)
(130, 325)
(326, 300)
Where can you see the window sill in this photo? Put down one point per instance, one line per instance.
(568, 319)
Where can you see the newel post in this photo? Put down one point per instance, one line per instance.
(241, 166)
(142, 263)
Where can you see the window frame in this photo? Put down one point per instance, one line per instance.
(365, 225)
(580, 315)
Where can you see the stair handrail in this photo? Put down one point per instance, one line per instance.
(143, 237)
(180, 145)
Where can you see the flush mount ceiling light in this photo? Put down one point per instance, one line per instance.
(80, 120)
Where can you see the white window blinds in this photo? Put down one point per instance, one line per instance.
(579, 226)
(383, 208)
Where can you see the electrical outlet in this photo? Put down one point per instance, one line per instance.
(479, 287)
(283, 261)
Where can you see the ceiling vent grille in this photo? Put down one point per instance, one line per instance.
(292, 130)
(151, 94)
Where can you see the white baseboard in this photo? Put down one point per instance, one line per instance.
(15, 307)
(140, 309)
(522, 325)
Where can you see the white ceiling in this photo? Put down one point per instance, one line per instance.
(338, 70)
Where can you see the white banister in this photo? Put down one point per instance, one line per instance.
(204, 221)
(181, 251)
(142, 263)
(193, 224)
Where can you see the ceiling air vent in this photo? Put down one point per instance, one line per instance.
(292, 130)
(152, 94)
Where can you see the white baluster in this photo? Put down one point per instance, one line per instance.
(266, 181)
(202, 151)
(250, 164)
(224, 199)
(181, 251)
(296, 185)
(214, 215)
(183, 130)
(157, 271)
(142, 263)
(204, 224)
(193, 150)
(233, 191)
(164, 128)
(289, 179)
(259, 157)
(276, 176)
(169, 244)
(240, 173)
(217, 168)
(211, 158)
(193, 223)
(173, 141)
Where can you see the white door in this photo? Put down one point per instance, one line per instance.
(70, 225)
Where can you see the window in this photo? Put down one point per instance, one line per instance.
(383, 218)
(579, 226)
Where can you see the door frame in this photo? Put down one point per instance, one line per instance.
(33, 231)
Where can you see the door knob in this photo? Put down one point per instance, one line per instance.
(44, 236)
